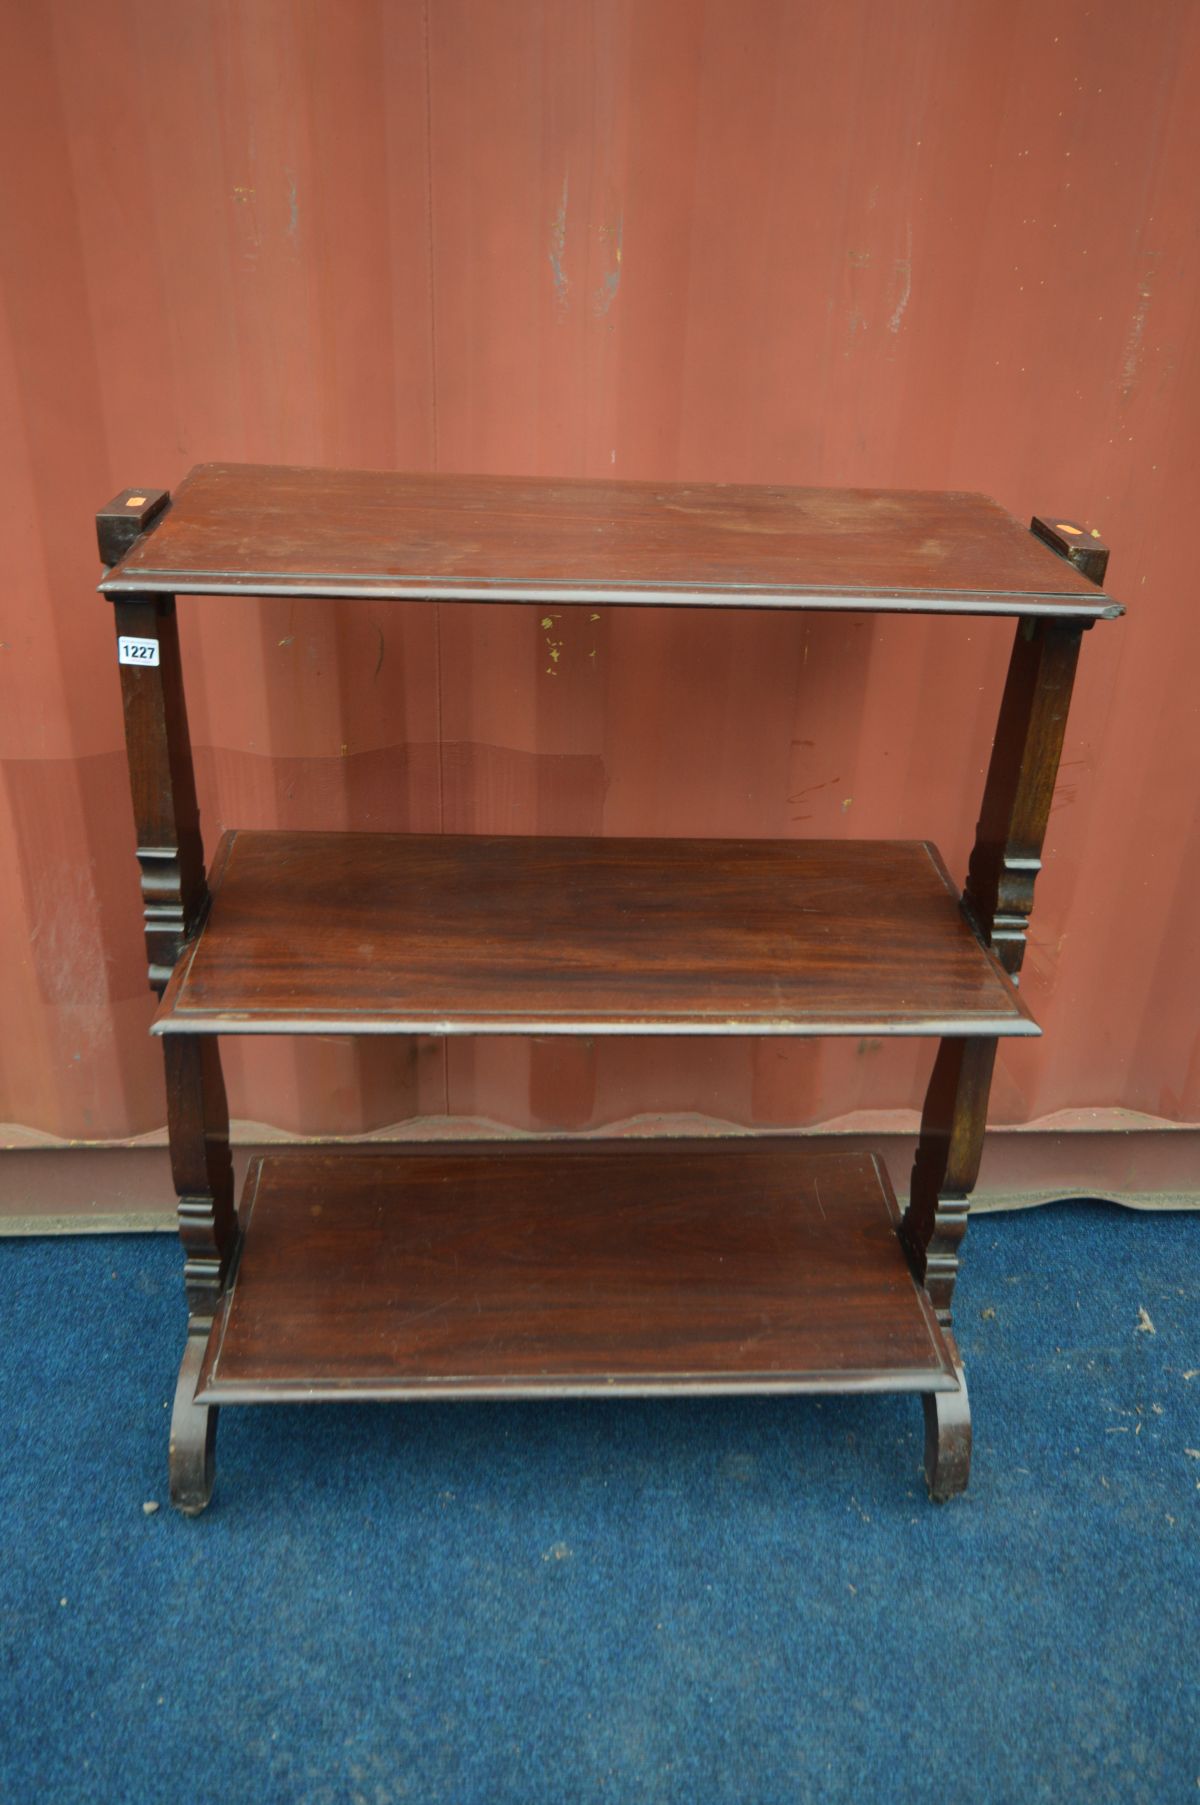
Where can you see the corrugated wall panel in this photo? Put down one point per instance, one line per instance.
(907, 242)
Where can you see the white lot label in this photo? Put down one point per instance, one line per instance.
(137, 651)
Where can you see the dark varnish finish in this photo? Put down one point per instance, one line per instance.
(547, 1269)
(1007, 855)
(1025, 755)
(244, 528)
(166, 818)
(1080, 546)
(588, 1267)
(169, 849)
(947, 1163)
(128, 515)
(203, 1173)
(469, 934)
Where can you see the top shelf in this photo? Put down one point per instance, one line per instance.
(252, 529)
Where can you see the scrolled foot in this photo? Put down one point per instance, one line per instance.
(192, 1455)
(947, 1441)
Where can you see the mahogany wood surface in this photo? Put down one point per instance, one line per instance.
(523, 1269)
(1082, 545)
(946, 1165)
(948, 1436)
(126, 517)
(170, 851)
(256, 529)
(201, 1166)
(1019, 792)
(192, 1447)
(208, 1227)
(466, 934)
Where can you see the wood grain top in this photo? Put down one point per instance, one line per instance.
(463, 934)
(571, 1268)
(242, 528)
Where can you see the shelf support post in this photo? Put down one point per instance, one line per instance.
(170, 852)
(1025, 757)
(998, 898)
(198, 1117)
(166, 816)
(1020, 785)
(170, 856)
(201, 1166)
(947, 1164)
(944, 1173)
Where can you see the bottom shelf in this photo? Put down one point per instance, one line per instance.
(534, 1269)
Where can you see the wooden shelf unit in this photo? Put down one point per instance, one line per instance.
(581, 1267)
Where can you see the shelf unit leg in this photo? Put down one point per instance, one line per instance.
(1007, 856)
(191, 1458)
(1025, 755)
(998, 898)
(169, 848)
(198, 1120)
(944, 1174)
(947, 1165)
(948, 1438)
(166, 817)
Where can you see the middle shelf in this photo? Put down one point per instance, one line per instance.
(352, 933)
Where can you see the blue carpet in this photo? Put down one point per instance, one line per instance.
(702, 1602)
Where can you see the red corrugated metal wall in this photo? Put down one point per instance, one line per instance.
(920, 242)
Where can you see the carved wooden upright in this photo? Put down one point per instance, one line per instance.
(999, 899)
(585, 1268)
(170, 856)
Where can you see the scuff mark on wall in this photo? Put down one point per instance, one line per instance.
(1135, 343)
(558, 249)
(904, 276)
(245, 201)
(856, 318)
(606, 294)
